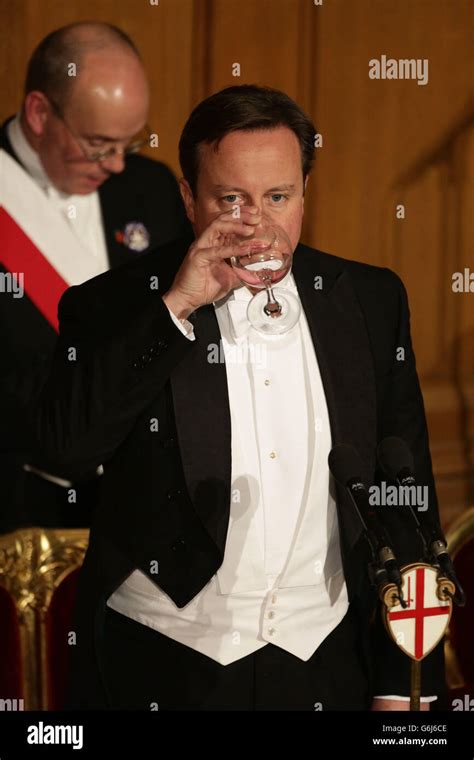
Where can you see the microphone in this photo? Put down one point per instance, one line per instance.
(396, 460)
(346, 467)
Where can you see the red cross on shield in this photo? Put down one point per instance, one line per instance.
(421, 625)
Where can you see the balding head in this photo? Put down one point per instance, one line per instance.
(90, 77)
(49, 68)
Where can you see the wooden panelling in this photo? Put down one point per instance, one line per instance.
(385, 142)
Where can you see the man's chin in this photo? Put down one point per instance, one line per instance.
(92, 183)
(84, 186)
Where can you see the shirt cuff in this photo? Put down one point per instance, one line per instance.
(183, 325)
(406, 699)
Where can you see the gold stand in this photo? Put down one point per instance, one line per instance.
(415, 692)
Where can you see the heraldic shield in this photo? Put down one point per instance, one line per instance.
(417, 628)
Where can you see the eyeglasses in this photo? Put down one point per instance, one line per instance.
(134, 146)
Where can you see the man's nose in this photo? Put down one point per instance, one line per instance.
(114, 163)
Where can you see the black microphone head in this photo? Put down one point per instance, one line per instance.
(394, 456)
(345, 463)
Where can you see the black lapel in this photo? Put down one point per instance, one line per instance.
(202, 415)
(115, 205)
(345, 361)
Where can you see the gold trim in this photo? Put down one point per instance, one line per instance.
(33, 563)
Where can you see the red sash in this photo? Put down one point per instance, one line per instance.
(43, 285)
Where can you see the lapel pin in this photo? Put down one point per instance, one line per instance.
(134, 236)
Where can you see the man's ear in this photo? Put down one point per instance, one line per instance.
(188, 198)
(35, 112)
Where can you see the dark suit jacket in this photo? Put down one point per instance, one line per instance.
(166, 494)
(146, 191)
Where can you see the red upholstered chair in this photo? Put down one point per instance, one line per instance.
(38, 577)
(57, 631)
(11, 667)
(460, 640)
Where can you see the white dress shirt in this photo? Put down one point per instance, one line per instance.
(281, 580)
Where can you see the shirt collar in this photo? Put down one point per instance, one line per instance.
(31, 160)
(28, 157)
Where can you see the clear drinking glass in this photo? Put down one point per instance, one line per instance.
(262, 261)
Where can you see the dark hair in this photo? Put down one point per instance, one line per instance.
(245, 107)
(48, 66)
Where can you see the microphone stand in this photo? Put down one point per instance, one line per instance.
(435, 551)
(418, 598)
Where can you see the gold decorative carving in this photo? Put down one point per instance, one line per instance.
(33, 563)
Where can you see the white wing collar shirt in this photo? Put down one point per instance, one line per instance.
(281, 580)
(82, 212)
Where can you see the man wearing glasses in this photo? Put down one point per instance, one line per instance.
(75, 201)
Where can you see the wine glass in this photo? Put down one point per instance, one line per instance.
(262, 261)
